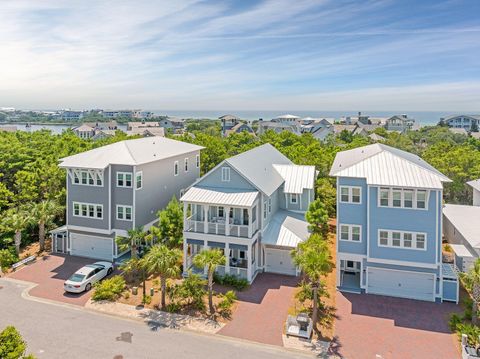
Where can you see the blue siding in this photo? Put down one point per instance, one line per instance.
(450, 290)
(349, 213)
(404, 220)
(214, 179)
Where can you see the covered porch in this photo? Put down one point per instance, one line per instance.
(60, 242)
(240, 259)
(224, 212)
(350, 276)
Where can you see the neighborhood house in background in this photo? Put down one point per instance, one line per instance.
(251, 206)
(389, 225)
(118, 187)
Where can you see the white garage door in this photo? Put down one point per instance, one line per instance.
(279, 261)
(403, 284)
(91, 246)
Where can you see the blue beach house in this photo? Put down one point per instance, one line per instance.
(389, 225)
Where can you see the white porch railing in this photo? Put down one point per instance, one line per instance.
(236, 230)
(236, 271)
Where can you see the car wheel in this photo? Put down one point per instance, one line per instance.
(110, 270)
(88, 287)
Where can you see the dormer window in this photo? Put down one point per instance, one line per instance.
(225, 174)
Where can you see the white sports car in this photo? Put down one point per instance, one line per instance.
(85, 277)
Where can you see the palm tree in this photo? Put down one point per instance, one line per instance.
(473, 280)
(210, 259)
(135, 236)
(165, 263)
(313, 258)
(44, 213)
(137, 269)
(16, 220)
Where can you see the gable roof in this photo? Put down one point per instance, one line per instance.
(256, 166)
(383, 165)
(475, 184)
(296, 177)
(129, 152)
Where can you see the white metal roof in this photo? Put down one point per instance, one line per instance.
(460, 250)
(220, 196)
(387, 166)
(475, 184)
(286, 229)
(465, 220)
(296, 177)
(256, 165)
(287, 117)
(129, 152)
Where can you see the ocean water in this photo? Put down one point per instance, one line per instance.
(422, 117)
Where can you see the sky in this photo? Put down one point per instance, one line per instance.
(421, 55)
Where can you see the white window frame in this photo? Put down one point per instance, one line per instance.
(77, 174)
(175, 168)
(139, 174)
(402, 239)
(350, 194)
(225, 174)
(197, 161)
(124, 212)
(414, 192)
(185, 165)
(350, 232)
(123, 175)
(95, 210)
(292, 196)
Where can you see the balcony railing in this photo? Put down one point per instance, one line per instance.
(219, 228)
(236, 271)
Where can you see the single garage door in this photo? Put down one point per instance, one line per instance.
(279, 261)
(397, 283)
(91, 246)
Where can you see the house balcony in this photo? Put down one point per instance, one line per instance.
(221, 227)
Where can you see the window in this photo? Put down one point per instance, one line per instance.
(397, 198)
(350, 194)
(87, 210)
(421, 199)
(197, 161)
(124, 213)
(349, 232)
(420, 241)
(124, 179)
(383, 238)
(221, 212)
(402, 198)
(269, 205)
(175, 168)
(84, 177)
(384, 196)
(139, 180)
(264, 210)
(408, 198)
(225, 174)
(293, 198)
(399, 239)
(186, 165)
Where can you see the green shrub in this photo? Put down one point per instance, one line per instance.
(109, 289)
(190, 292)
(7, 258)
(12, 345)
(173, 307)
(225, 305)
(146, 299)
(472, 332)
(454, 321)
(231, 281)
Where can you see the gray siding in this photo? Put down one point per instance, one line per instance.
(121, 196)
(160, 185)
(214, 179)
(88, 194)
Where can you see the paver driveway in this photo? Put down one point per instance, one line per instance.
(262, 309)
(49, 273)
(370, 325)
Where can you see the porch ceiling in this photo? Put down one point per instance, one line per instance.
(220, 196)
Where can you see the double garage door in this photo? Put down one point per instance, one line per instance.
(90, 246)
(279, 261)
(402, 284)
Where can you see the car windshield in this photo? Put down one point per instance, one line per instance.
(76, 277)
(95, 266)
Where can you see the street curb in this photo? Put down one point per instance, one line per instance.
(30, 285)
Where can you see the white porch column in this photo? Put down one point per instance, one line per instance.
(250, 226)
(205, 219)
(185, 255)
(249, 262)
(300, 200)
(185, 214)
(227, 221)
(286, 201)
(227, 258)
